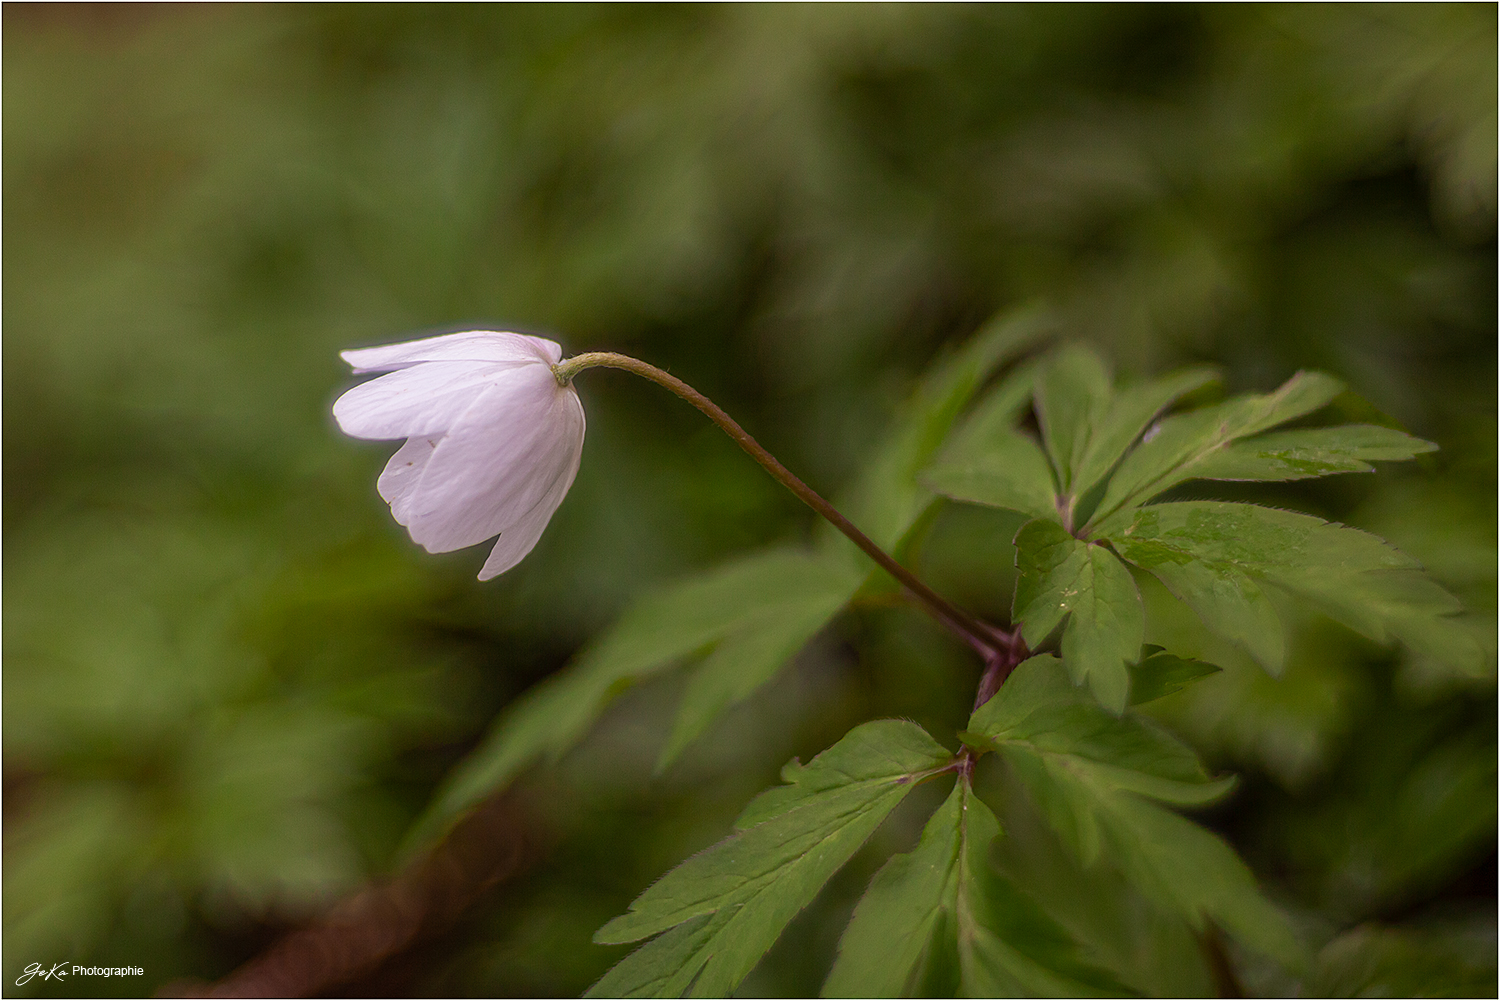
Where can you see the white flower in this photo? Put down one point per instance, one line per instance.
(493, 441)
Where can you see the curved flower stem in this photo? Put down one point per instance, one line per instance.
(979, 635)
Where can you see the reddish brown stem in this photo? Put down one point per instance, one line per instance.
(979, 635)
(999, 661)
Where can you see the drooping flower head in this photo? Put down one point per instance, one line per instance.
(492, 439)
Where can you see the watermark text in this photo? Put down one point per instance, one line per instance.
(63, 970)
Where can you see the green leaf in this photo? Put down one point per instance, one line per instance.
(1211, 552)
(749, 657)
(1040, 709)
(1161, 674)
(887, 500)
(773, 591)
(943, 909)
(1072, 397)
(1149, 948)
(664, 966)
(1451, 530)
(1130, 412)
(998, 410)
(1008, 470)
(1093, 776)
(1168, 457)
(1066, 577)
(1182, 865)
(791, 840)
(872, 751)
(1223, 595)
(1299, 455)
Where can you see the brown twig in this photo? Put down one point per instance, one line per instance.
(375, 926)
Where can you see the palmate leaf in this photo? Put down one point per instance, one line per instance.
(1064, 577)
(1212, 554)
(1095, 778)
(724, 907)
(1089, 430)
(942, 922)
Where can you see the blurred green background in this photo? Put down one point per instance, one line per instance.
(231, 681)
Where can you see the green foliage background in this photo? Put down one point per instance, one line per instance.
(232, 683)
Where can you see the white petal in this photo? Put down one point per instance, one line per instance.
(404, 471)
(474, 345)
(424, 399)
(506, 462)
(520, 538)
